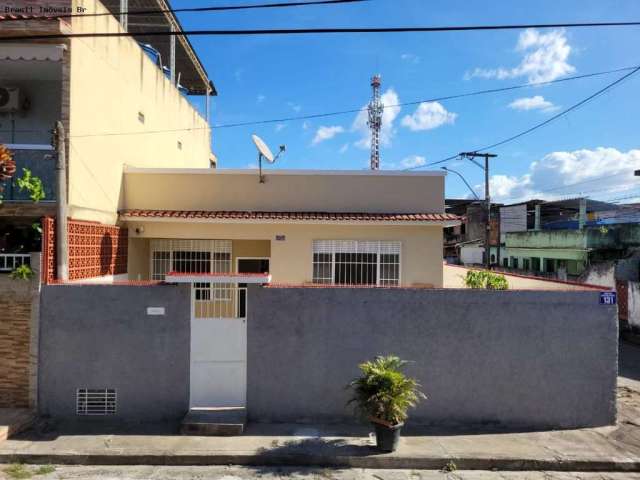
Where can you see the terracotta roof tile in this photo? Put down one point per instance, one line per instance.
(291, 216)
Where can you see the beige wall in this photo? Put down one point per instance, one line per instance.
(112, 80)
(454, 278)
(291, 259)
(386, 192)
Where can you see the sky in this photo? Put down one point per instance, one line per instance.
(592, 151)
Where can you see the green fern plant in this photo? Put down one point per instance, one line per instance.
(383, 393)
(23, 272)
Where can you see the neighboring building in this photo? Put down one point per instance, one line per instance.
(564, 239)
(464, 243)
(122, 102)
(323, 227)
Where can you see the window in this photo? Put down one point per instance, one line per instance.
(189, 256)
(350, 262)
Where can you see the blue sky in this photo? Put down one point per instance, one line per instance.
(281, 76)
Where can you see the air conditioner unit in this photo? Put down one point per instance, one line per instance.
(9, 99)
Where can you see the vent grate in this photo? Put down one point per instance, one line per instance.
(96, 401)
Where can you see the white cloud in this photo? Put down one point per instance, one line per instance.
(536, 102)
(294, 106)
(413, 161)
(344, 148)
(545, 58)
(326, 133)
(280, 127)
(261, 98)
(410, 57)
(602, 173)
(390, 113)
(427, 116)
(306, 125)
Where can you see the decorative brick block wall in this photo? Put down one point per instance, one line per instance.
(95, 250)
(15, 335)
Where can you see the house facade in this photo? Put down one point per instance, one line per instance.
(303, 227)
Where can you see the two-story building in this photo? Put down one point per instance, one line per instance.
(122, 101)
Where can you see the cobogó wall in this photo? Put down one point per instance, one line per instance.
(543, 359)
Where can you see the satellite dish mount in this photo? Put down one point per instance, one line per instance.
(264, 152)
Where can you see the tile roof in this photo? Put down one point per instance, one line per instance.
(291, 216)
(21, 16)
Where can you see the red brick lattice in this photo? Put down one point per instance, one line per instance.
(95, 250)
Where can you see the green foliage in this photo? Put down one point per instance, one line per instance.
(383, 392)
(23, 272)
(31, 184)
(17, 471)
(486, 279)
(45, 470)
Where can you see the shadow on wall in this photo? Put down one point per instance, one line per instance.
(106, 255)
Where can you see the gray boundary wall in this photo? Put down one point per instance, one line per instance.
(100, 336)
(534, 359)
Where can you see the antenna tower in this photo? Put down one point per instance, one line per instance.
(375, 121)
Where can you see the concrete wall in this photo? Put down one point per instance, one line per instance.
(634, 305)
(102, 337)
(112, 81)
(286, 190)
(481, 356)
(292, 258)
(453, 277)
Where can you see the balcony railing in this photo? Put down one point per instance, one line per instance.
(10, 261)
(41, 160)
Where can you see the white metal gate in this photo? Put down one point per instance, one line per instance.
(218, 345)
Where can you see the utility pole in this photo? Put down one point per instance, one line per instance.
(487, 200)
(59, 144)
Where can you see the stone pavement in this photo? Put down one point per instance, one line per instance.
(305, 473)
(613, 448)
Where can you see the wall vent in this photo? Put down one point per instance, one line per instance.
(96, 401)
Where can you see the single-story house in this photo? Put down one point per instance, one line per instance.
(381, 228)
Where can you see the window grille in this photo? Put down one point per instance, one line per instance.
(189, 256)
(351, 262)
(96, 401)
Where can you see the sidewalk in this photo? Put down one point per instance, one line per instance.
(615, 448)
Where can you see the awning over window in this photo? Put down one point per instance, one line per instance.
(30, 52)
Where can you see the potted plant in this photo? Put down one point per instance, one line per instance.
(382, 395)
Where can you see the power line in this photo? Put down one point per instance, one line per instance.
(185, 10)
(541, 124)
(318, 31)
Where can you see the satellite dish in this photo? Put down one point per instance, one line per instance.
(263, 149)
(264, 152)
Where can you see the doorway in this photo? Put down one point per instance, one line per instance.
(249, 265)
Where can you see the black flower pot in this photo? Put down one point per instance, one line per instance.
(387, 438)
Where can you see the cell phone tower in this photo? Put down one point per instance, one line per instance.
(375, 121)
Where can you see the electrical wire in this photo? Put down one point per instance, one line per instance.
(317, 31)
(539, 125)
(221, 8)
(358, 110)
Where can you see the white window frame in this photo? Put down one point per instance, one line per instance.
(222, 293)
(378, 247)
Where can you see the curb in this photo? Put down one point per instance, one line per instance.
(380, 461)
